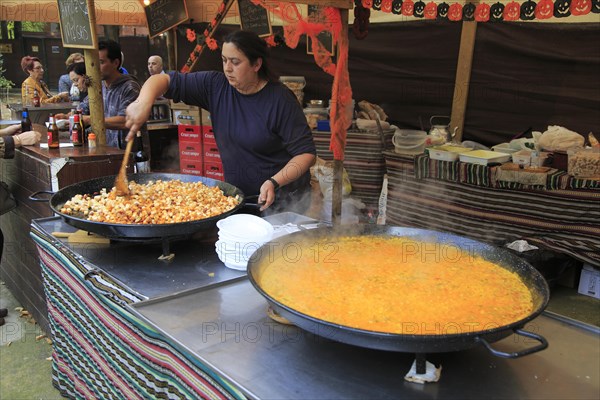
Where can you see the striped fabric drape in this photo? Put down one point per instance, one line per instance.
(104, 350)
(566, 221)
(363, 161)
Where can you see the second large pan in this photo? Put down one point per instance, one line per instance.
(139, 231)
(404, 342)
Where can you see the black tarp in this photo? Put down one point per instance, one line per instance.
(524, 75)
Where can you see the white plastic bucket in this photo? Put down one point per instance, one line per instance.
(409, 141)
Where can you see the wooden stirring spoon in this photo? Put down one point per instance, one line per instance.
(121, 182)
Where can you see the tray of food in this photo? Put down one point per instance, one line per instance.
(484, 157)
(447, 152)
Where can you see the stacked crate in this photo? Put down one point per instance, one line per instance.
(198, 152)
(213, 167)
(190, 149)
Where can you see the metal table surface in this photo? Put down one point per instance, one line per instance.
(226, 326)
(138, 267)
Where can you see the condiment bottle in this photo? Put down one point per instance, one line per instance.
(53, 140)
(71, 119)
(142, 161)
(83, 135)
(25, 121)
(92, 140)
(36, 98)
(76, 133)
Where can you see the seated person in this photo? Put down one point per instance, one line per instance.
(33, 67)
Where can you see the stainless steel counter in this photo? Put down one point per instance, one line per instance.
(226, 327)
(138, 267)
(216, 314)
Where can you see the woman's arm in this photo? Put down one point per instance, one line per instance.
(138, 112)
(293, 170)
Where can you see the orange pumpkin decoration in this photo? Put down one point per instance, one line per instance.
(482, 12)
(544, 9)
(455, 12)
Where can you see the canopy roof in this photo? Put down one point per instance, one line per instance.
(108, 12)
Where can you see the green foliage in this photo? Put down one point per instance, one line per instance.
(4, 83)
(30, 26)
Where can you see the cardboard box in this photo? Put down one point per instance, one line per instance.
(187, 117)
(191, 167)
(189, 133)
(205, 116)
(589, 282)
(214, 170)
(190, 150)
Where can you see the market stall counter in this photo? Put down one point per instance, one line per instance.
(34, 169)
(125, 324)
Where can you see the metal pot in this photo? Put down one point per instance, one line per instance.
(402, 342)
(137, 231)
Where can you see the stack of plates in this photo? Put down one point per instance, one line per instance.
(240, 235)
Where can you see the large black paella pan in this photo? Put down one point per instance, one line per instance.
(138, 231)
(421, 343)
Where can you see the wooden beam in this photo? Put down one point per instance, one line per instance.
(92, 69)
(191, 64)
(463, 78)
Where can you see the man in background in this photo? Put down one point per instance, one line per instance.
(155, 65)
(118, 91)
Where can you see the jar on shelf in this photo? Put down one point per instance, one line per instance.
(314, 115)
(296, 85)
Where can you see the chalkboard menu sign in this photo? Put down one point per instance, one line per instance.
(162, 15)
(75, 24)
(325, 37)
(254, 18)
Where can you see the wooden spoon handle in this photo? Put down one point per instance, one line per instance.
(126, 155)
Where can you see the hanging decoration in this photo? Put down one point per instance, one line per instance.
(524, 10)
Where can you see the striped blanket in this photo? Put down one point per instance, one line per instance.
(482, 175)
(102, 350)
(363, 161)
(565, 221)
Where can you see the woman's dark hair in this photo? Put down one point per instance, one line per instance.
(254, 48)
(27, 63)
(78, 68)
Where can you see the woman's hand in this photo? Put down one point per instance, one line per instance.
(267, 195)
(138, 112)
(27, 138)
(136, 116)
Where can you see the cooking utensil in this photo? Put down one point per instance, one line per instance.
(121, 181)
(404, 342)
(131, 231)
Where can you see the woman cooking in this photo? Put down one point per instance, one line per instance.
(264, 141)
(34, 83)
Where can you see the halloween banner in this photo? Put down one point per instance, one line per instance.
(528, 10)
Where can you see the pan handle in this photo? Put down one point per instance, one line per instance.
(543, 344)
(256, 205)
(33, 197)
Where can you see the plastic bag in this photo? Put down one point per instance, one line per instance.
(560, 138)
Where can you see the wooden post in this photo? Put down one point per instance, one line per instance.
(338, 165)
(92, 69)
(171, 49)
(463, 77)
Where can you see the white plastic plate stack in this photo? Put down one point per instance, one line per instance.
(240, 235)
